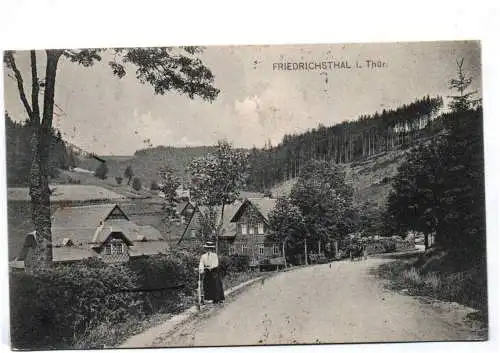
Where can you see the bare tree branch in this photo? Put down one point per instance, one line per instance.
(20, 85)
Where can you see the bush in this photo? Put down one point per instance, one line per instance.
(234, 263)
(136, 184)
(71, 180)
(119, 180)
(102, 171)
(154, 186)
(54, 308)
(165, 279)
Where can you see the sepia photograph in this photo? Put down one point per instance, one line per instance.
(245, 195)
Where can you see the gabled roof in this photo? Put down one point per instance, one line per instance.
(82, 216)
(262, 204)
(228, 228)
(81, 224)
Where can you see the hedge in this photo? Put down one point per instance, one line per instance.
(50, 309)
(63, 306)
(234, 263)
(165, 279)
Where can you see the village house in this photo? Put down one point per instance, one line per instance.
(245, 230)
(253, 236)
(193, 215)
(100, 231)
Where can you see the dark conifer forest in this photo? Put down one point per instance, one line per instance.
(346, 142)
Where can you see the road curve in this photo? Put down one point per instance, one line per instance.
(337, 303)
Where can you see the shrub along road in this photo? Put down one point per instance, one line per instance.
(322, 304)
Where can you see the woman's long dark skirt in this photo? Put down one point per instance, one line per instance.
(212, 285)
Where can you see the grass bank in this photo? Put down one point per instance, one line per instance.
(435, 275)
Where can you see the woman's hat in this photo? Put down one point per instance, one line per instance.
(209, 245)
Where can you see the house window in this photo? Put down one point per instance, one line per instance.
(261, 228)
(251, 229)
(276, 249)
(232, 249)
(117, 248)
(193, 233)
(114, 248)
(243, 228)
(261, 249)
(244, 249)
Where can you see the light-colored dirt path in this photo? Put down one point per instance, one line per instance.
(322, 304)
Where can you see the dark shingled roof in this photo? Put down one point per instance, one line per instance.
(76, 230)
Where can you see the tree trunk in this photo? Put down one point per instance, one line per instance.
(39, 174)
(426, 241)
(284, 254)
(305, 251)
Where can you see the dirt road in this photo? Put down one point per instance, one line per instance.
(322, 304)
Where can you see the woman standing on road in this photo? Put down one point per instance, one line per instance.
(209, 268)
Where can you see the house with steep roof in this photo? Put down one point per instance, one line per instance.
(253, 234)
(193, 219)
(101, 231)
(245, 229)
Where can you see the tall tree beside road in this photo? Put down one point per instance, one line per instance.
(287, 223)
(218, 178)
(165, 69)
(325, 201)
(440, 188)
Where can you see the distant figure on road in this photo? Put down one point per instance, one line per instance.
(209, 269)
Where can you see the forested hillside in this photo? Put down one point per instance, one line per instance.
(346, 142)
(147, 163)
(18, 156)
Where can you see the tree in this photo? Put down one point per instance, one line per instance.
(102, 171)
(119, 180)
(287, 222)
(165, 69)
(325, 201)
(136, 184)
(463, 101)
(72, 158)
(440, 188)
(415, 200)
(216, 179)
(129, 174)
(168, 186)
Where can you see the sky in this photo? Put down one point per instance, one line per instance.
(258, 101)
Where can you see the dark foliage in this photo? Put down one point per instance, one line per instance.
(102, 171)
(165, 278)
(234, 263)
(136, 184)
(19, 154)
(50, 308)
(440, 188)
